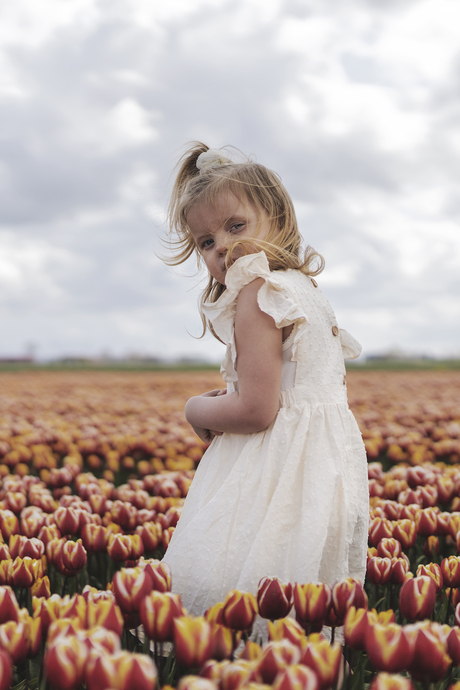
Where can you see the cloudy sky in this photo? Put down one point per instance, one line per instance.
(356, 103)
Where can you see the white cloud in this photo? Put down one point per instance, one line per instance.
(32, 24)
(26, 268)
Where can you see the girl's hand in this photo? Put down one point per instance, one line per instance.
(206, 435)
(214, 393)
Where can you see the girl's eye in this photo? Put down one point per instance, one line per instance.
(236, 226)
(207, 243)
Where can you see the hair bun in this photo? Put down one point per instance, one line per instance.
(213, 158)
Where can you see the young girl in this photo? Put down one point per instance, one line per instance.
(282, 490)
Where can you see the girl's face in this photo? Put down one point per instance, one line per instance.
(216, 226)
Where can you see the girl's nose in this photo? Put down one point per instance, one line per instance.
(221, 243)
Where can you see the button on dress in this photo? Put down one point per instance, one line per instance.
(290, 501)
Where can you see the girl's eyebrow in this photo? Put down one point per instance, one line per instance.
(201, 237)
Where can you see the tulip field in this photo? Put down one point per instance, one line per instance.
(94, 470)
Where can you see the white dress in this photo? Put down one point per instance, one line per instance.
(290, 501)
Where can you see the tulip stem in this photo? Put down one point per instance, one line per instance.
(448, 605)
(160, 667)
(89, 563)
(29, 602)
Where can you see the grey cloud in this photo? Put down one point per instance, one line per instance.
(71, 178)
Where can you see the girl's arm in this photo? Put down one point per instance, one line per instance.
(259, 350)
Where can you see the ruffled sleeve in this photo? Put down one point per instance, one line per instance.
(273, 298)
(350, 347)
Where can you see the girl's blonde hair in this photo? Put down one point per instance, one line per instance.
(250, 182)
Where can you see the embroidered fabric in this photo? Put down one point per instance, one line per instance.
(290, 501)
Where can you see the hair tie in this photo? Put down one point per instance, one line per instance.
(213, 158)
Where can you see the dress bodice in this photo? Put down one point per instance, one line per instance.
(313, 354)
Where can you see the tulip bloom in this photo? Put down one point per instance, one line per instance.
(119, 547)
(5, 572)
(355, 628)
(199, 682)
(224, 641)
(106, 614)
(417, 598)
(211, 670)
(275, 657)
(238, 674)
(41, 587)
(33, 628)
(9, 523)
(450, 568)
(65, 662)
(273, 598)
(13, 639)
(67, 520)
(453, 645)
(130, 586)
(48, 533)
(345, 594)
(158, 610)
(454, 524)
(239, 610)
(150, 533)
(251, 652)
(9, 607)
(137, 546)
(94, 537)
(74, 607)
(73, 556)
(432, 570)
(6, 670)
(159, 572)
(124, 514)
(64, 627)
(193, 641)
(312, 603)
(286, 629)
(389, 548)
(34, 548)
(379, 570)
(431, 547)
(167, 536)
(399, 568)
(426, 522)
(32, 523)
(324, 659)
(48, 610)
(380, 528)
(22, 572)
(388, 648)
(442, 524)
(431, 660)
(214, 613)
(100, 640)
(296, 677)
(405, 532)
(15, 543)
(53, 550)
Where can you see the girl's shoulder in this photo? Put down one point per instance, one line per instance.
(251, 266)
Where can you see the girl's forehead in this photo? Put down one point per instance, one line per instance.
(224, 205)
